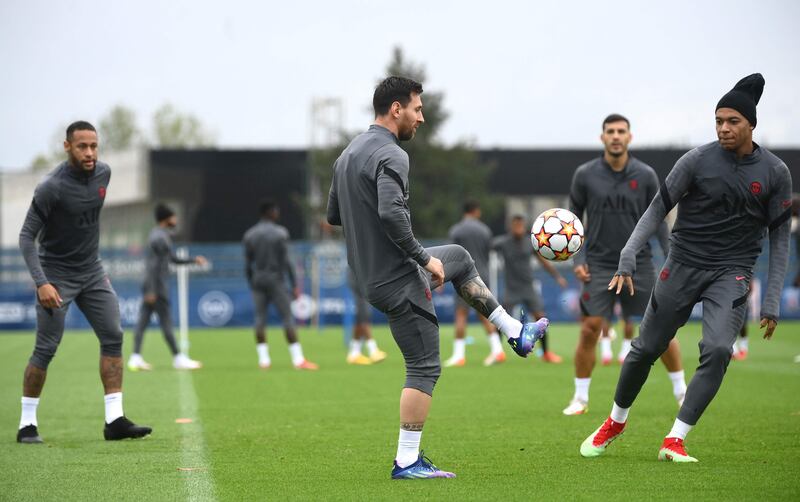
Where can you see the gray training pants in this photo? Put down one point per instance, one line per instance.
(272, 293)
(162, 309)
(679, 286)
(96, 299)
(412, 318)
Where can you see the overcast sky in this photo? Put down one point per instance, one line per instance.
(515, 74)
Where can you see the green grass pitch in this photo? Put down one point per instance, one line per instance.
(331, 435)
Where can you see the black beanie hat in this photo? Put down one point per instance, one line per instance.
(744, 97)
(163, 212)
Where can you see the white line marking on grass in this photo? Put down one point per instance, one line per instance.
(194, 463)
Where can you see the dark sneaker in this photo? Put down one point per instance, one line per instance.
(29, 434)
(531, 333)
(123, 428)
(423, 468)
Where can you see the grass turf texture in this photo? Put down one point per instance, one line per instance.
(332, 434)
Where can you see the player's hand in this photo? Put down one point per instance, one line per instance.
(582, 273)
(200, 260)
(562, 282)
(296, 292)
(770, 325)
(48, 296)
(618, 281)
(150, 298)
(436, 269)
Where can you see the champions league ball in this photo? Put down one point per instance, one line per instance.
(557, 234)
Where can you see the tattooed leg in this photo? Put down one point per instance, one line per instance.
(111, 374)
(478, 296)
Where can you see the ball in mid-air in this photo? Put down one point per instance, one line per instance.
(557, 234)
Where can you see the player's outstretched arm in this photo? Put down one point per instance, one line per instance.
(671, 191)
(577, 205)
(780, 215)
(333, 216)
(392, 183)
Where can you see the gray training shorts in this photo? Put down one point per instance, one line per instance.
(272, 293)
(95, 297)
(597, 300)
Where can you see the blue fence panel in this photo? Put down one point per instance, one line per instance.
(220, 297)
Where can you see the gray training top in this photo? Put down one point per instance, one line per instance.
(517, 254)
(65, 215)
(725, 207)
(266, 255)
(474, 236)
(614, 202)
(369, 199)
(159, 255)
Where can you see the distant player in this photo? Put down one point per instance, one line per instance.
(362, 330)
(474, 236)
(267, 266)
(516, 250)
(155, 292)
(65, 217)
(614, 190)
(730, 193)
(369, 199)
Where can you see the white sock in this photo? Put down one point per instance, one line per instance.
(679, 430)
(355, 348)
(408, 447)
(743, 344)
(678, 383)
(582, 389)
(28, 416)
(113, 406)
(619, 415)
(296, 351)
(459, 348)
(626, 346)
(372, 346)
(507, 325)
(605, 347)
(263, 353)
(494, 343)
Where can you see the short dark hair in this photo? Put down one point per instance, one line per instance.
(471, 205)
(162, 212)
(80, 125)
(616, 117)
(393, 89)
(517, 217)
(266, 206)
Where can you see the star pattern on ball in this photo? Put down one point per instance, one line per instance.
(563, 255)
(543, 238)
(549, 214)
(568, 229)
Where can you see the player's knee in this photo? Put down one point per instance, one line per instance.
(716, 351)
(423, 378)
(590, 329)
(41, 357)
(111, 343)
(648, 352)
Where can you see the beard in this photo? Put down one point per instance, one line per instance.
(406, 135)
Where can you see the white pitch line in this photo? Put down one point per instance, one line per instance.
(199, 482)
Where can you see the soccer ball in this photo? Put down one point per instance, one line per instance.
(557, 234)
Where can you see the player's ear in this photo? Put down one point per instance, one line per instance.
(66, 145)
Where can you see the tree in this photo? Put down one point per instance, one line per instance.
(174, 129)
(441, 177)
(118, 130)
